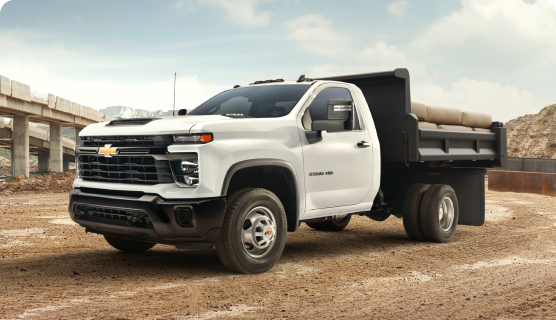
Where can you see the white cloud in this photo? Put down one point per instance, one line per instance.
(553, 3)
(398, 8)
(152, 96)
(379, 57)
(502, 102)
(243, 12)
(2, 3)
(314, 33)
(501, 34)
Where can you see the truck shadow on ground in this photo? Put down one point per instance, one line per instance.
(165, 262)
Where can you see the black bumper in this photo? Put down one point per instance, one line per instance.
(207, 216)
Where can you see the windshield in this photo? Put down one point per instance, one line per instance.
(257, 102)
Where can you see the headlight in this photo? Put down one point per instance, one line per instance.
(186, 172)
(193, 138)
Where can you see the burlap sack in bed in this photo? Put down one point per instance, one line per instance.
(419, 110)
(443, 115)
(476, 119)
(427, 125)
(457, 128)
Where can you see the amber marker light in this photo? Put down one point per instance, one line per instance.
(193, 138)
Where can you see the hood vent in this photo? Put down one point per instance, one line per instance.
(131, 122)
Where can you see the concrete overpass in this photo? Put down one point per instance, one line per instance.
(17, 103)
(39, 145)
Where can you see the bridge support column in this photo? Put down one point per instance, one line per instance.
(56, 148)
(66, 164)
(12, 160)
(44, 161)
(77, 131)
(20, 140)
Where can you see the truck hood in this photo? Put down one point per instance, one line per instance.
(162, 125)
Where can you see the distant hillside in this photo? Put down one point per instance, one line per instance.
(128, 112)
(533, 135)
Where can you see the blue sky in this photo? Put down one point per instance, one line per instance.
(484, 55)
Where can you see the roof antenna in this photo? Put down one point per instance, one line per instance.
(174, 107)
(303, 79)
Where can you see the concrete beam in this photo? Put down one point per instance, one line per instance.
(5, 86)
(4, 101)
(21, 91)
(20, 137)
(56, 147)
(24, 106)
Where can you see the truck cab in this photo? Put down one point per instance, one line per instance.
(252, 163)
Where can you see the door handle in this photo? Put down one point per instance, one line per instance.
(363, 144)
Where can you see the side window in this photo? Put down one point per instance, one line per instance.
(318, 108)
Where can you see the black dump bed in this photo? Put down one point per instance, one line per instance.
(389, 99)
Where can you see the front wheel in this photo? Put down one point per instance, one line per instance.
(439, 213)
(253, 234)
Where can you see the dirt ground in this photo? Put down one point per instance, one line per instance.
(506, 269)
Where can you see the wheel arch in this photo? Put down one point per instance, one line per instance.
(278, 176)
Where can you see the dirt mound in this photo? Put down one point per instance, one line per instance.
(533, 135)
(54, 182)
(7, 171)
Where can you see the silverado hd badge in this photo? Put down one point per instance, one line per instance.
(107, 151)
(327, 173)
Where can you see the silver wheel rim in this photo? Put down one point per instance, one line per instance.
(258, 233)
(446, 213)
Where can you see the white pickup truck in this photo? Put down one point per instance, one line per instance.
(254, 162)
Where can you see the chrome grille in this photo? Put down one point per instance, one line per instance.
(124, 169)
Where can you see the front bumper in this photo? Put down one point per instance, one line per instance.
(207, 216)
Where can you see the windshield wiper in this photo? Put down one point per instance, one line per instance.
(235, 115)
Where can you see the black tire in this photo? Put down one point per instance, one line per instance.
(410, 211)
(231, 248)
(430, 213)
(331, 225)
(129, 246)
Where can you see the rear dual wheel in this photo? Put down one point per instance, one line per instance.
(430, 212)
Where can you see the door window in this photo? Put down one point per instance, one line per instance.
(318, 108)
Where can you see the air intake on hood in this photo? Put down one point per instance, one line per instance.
(131, 122)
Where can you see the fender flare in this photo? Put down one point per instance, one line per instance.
(292, 225)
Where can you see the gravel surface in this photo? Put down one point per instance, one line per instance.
(51, 269)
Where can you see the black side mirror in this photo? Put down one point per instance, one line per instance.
(339, 117)
(182, 112)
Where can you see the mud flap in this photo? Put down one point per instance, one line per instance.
(469, 185)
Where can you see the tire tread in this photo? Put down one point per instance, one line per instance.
(411, 211)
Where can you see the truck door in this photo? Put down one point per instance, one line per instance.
(338, 169)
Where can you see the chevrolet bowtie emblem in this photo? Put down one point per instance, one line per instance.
(107, 151)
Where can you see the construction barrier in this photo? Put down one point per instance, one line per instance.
(526, 182)
(530, 165)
